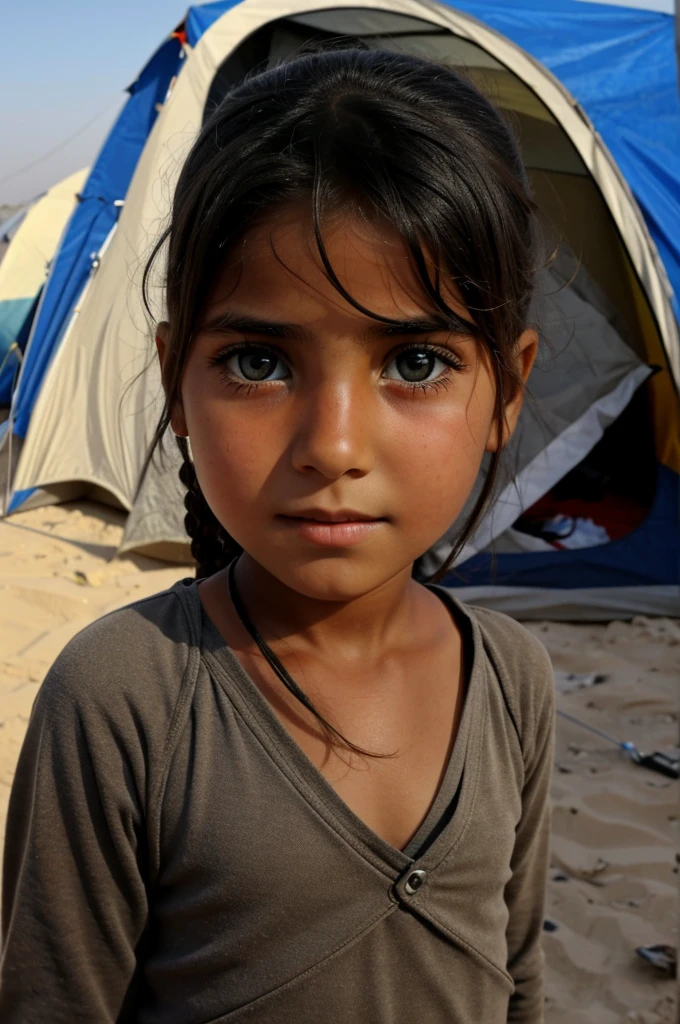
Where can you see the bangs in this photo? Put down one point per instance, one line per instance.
(428, 272)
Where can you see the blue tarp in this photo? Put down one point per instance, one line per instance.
(649, 556)
(91, 222)
(201, 17)
(620, 64)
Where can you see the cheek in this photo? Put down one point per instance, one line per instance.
(439, 453)
(233, 455)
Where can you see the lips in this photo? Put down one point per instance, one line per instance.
(318, 515)
(331, 528)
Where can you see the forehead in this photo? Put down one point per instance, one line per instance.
(277, 270)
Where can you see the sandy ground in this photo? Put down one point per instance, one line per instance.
(613, 877)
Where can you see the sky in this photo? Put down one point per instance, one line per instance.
(63, 73)
(64, 63)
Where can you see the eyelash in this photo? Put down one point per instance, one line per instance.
(452, 361)
(220, 359)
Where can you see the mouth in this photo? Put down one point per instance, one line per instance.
(336, 528)
(318, 515)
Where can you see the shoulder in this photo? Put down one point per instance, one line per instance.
(515, 650)
(132, 661)
(524, 672)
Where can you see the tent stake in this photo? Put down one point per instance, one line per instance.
(657, 762)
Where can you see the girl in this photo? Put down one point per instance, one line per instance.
(307, 787)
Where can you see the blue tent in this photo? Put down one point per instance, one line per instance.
(96, 214)
(618, 67)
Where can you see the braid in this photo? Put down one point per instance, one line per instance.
(211, 546)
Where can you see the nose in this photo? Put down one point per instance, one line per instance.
(333, 435)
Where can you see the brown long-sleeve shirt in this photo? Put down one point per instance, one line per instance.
(173, 857)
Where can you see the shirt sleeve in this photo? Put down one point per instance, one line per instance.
(74, 896)
(525, 892)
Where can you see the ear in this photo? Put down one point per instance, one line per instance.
(525, 354)
(177, 420)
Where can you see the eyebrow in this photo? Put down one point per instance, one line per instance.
(242, 323)
(228, 323)
(426, 325)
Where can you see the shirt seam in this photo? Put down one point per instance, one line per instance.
(524, 728)
(508, 703)
(473, 949)
(186, 690)
(474, 767)
(256, 1003)
(301, 786)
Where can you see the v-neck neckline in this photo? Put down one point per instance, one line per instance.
(458, 779)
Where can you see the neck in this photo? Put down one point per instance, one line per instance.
(361, 626)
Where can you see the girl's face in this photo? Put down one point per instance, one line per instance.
(334, 449)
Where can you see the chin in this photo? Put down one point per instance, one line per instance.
(335, 578)
(330, 578)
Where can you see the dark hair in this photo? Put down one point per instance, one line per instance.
(392, 136)
(398, 137)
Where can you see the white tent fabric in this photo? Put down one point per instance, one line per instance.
(592, 604)
(105, 373)
(35, 238)
(584, 377)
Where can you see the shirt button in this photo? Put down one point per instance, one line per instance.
(415, 881)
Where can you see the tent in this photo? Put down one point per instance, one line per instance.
(592, 92)
(11, 224)
(34, 233)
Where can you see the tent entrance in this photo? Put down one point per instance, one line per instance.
(605, 497)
